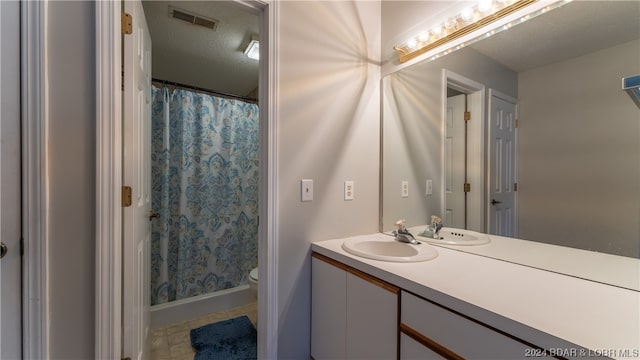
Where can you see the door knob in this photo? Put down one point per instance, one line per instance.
(153, 215)
(495, 202)
(3, 250)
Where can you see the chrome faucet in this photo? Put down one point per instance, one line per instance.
(402, 234)
(435, 226)
(405, 236)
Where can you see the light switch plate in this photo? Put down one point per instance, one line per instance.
(405, 189)
(306, 190)
(429, 187)
(348, 190)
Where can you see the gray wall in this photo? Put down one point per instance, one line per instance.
(328, 131)
(70, 152)
(579, 175)
(10, 196)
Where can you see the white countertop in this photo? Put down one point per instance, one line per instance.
(506, 295)
(590, 265)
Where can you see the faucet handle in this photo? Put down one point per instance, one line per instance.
(401, 225)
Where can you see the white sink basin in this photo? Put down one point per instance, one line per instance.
(389, 250)
(451, 236)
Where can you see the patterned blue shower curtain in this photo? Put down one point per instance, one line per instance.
(205, 188)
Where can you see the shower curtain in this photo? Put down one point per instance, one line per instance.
(205, 188)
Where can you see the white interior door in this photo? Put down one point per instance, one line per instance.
(10, 263)
(455, 163)
(502, 165)
(137, 175)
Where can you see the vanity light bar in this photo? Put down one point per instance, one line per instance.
(459, 26)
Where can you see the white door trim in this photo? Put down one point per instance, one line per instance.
(108, 325)
(476, 145)
(268, 194)
(109, 171)
(34, 183)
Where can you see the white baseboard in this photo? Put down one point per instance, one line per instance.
(191, 308)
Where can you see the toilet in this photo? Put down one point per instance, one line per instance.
(253, 282)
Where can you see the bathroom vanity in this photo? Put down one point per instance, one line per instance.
(461, 305)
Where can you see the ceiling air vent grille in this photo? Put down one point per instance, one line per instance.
(193, 18)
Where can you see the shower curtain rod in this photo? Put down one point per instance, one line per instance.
(208, 91)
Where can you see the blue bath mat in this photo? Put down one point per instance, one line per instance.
(233, 339)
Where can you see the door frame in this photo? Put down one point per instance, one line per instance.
(109, 142)
(35, 320)
(475, 147)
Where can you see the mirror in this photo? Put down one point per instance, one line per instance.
(576, 152)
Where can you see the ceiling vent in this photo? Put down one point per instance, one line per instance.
(192, 18)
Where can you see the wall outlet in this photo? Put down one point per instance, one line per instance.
(348, 190)
(429, 187)
(405, 189)
(306, 190)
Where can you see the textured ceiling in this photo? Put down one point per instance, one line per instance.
(572, 30)
(194, 55)
(214, 59)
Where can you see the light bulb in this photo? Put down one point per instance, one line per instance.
(450, 24)
(412, 43)
(423, 36)
(466, 14)
(485, 5)
(437, 30)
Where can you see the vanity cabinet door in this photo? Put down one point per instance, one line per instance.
(328, 311)
(353, 315)
(372, 319)
(456, 336)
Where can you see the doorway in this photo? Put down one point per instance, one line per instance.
(108, 342)
(198, 137)
(204, 157)
(463, 152)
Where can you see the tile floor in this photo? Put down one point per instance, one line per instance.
(173, 343)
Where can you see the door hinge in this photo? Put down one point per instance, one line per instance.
(126, 23)
(467, 116)
(126, 196)
(515, 186)
(516, 123)
(467, 187)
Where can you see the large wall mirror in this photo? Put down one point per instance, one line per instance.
(574, 156)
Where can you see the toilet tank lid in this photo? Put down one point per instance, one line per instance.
(254, 274)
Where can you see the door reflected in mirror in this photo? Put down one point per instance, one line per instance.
(568, 175)
(455, 200)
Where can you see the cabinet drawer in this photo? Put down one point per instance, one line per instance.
(454, 334)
